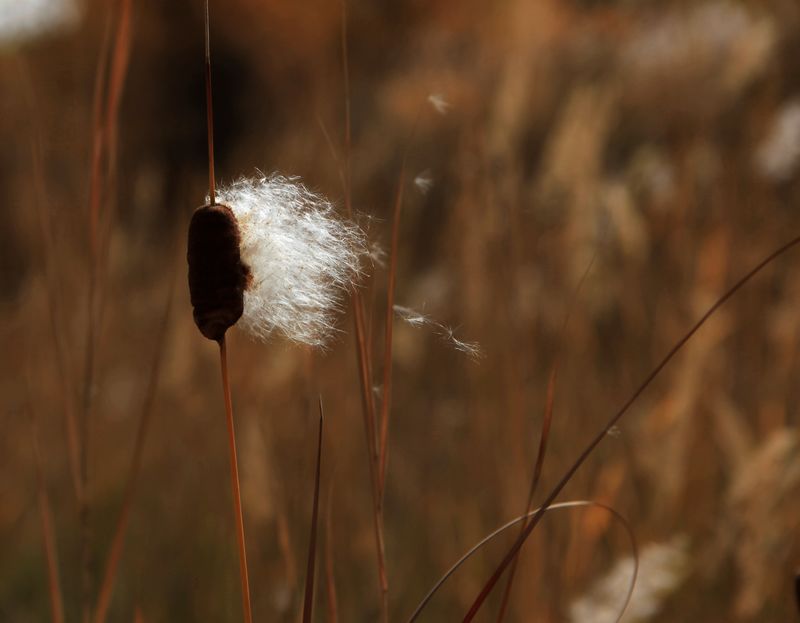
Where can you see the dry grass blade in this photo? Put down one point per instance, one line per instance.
(46, 230)
(332, 149)
(387, 347)
(118, 541)
(537, 474)
(520, 520)
(615, 418)
(95, 200)
(308, 603)
(98, 140)
(48, 530)
(120, 58)
(364, 358)
(547, 421)
(332, 601)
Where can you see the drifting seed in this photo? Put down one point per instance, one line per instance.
(217, 275)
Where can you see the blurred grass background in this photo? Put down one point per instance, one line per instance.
(659, 141)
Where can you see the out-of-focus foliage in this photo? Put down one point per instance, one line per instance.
(660, 139)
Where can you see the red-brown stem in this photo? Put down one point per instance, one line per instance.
(346, 79)
(537, 474)
(364, 362)
(613, 421)
(332, 148)
(95, 200)
(118, 541)
(95, 174)
(387, 346)
(386, 403)
(330, 583)
(547, 420)
(212, 185)
(237, 495)
(45, 222)
(48, 531)
(116, 81)
(308, 602)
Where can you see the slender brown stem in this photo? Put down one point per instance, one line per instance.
(547, 420)
(46, 230)
(96, 194)
(346, 78)
(118, 541)
(364, 359)
(308, 602)
(387, 347)
(212, 185)
(332, 601)
(98, 141)
(48, 531)
(386, 403)
(537, 473)
(237, 495)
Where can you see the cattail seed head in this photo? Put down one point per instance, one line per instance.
(217, 275)
(276, 255)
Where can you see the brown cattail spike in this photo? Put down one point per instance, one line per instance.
(217, 275)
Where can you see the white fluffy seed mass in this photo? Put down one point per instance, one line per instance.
(303, 258)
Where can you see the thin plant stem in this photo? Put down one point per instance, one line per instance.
(46, 230)
(332, 601)
(237, 495)
(212, 185)
(537, 473)
(364, 360)
(308, 602)
(386, 403)
(95, 202)
(48, 530)
(387, 347)
(544, 436)
(118, 541)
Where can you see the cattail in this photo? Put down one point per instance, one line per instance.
(217, 276)
(274, 254)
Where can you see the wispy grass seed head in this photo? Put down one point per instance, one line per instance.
(302, 258)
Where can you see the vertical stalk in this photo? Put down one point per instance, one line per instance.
(237, 495)
(364, 359)
(212, 185)
(48, 530)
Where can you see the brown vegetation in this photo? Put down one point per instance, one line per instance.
(657, 141)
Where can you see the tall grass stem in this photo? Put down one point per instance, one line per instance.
(235, 487)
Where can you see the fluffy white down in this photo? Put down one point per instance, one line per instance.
(302, 257)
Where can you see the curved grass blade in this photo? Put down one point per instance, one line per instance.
(561, 506)
(613, 421)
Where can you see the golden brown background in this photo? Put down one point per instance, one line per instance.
(658, 140)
